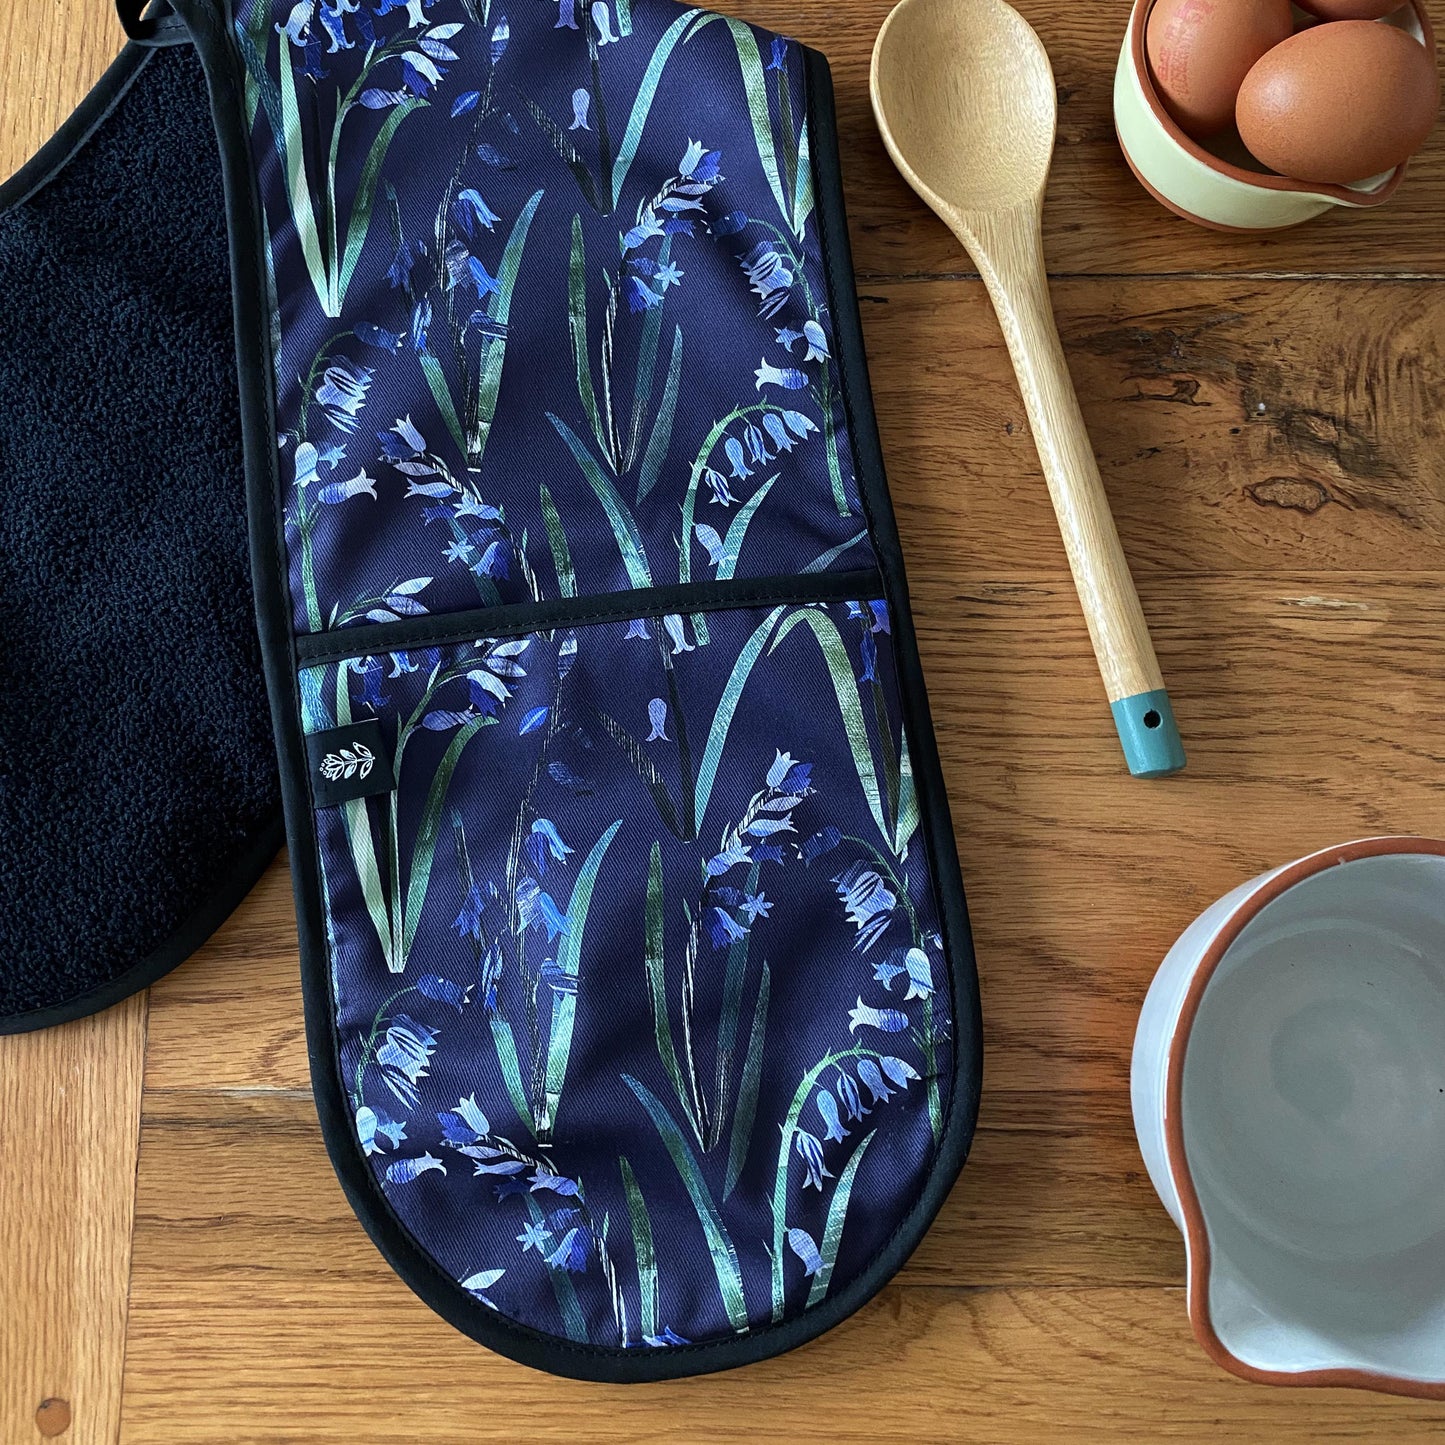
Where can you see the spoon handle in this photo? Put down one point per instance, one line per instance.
(1008, 248)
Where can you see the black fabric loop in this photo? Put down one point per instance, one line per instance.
(155, 27)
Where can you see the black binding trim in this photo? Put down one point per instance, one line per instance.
(211, 31)
(517, 618)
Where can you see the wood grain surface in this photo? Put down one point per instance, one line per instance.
(1268, 418)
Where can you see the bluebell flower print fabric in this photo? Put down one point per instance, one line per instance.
(641, 1001)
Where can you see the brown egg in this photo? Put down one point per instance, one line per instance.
(1340, 102)
(1201, 50)
(1350, 9)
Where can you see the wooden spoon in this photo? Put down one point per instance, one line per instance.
(964, 96)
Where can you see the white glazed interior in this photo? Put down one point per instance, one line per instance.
(1314, 1124)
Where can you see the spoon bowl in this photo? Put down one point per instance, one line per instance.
(966, 102)
(964, 96)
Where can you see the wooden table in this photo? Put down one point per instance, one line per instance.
(176, 1260)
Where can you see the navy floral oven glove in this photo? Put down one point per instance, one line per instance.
(642, 1010)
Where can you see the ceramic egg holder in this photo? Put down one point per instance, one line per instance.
(1217, 183)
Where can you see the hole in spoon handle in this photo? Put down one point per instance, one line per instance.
(1149, 734)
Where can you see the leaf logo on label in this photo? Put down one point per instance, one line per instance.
(354, 761)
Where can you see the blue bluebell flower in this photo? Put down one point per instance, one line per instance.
(341, 393)
(899, 1071)
(646, 229)
(467, 100)
(641, 296)
(533, 1236)
(401, 442)
(721, 492)
(823, 841)
(472, 213)
(544, 844)
(889, 969)
(571, 1254)
(637, 628)
(657, 716)
(723, 928)
(403, 1171)
(770, 277)
(493, 1161)
(558, 1184)
(787, 377)
(778, 432)
(441, 990)
(873, 1081)
(868, 902)
(371, 671)
(304, 465)
(417, 77)
(377, 336)
(730, 224)
(828, 1109)
(801, 1243)
(699, 163)
(920, 975)
(734, 449)
(817, 340)
(787, 337)
(468, 923)
(666, 1336)
(852, 1100)
(409, 254)
(712, 542)
(886, 1020)
(757, 447)
(756, 906)
(311, 66)
(566, 15)
(810, 1151)
(366, 1130)
(602, 21)
(581, 100)
(736, 852)
(779, 57)
(672, 625)
(405, 1055)
(331, 455)
(469, 1115)
(779, 769)
(799, 424)
(880, 616)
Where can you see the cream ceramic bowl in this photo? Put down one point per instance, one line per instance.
(1221, 186)
(1289, 1098)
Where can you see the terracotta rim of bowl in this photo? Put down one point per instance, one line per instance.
(1195, 1233)
(1344, 195)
